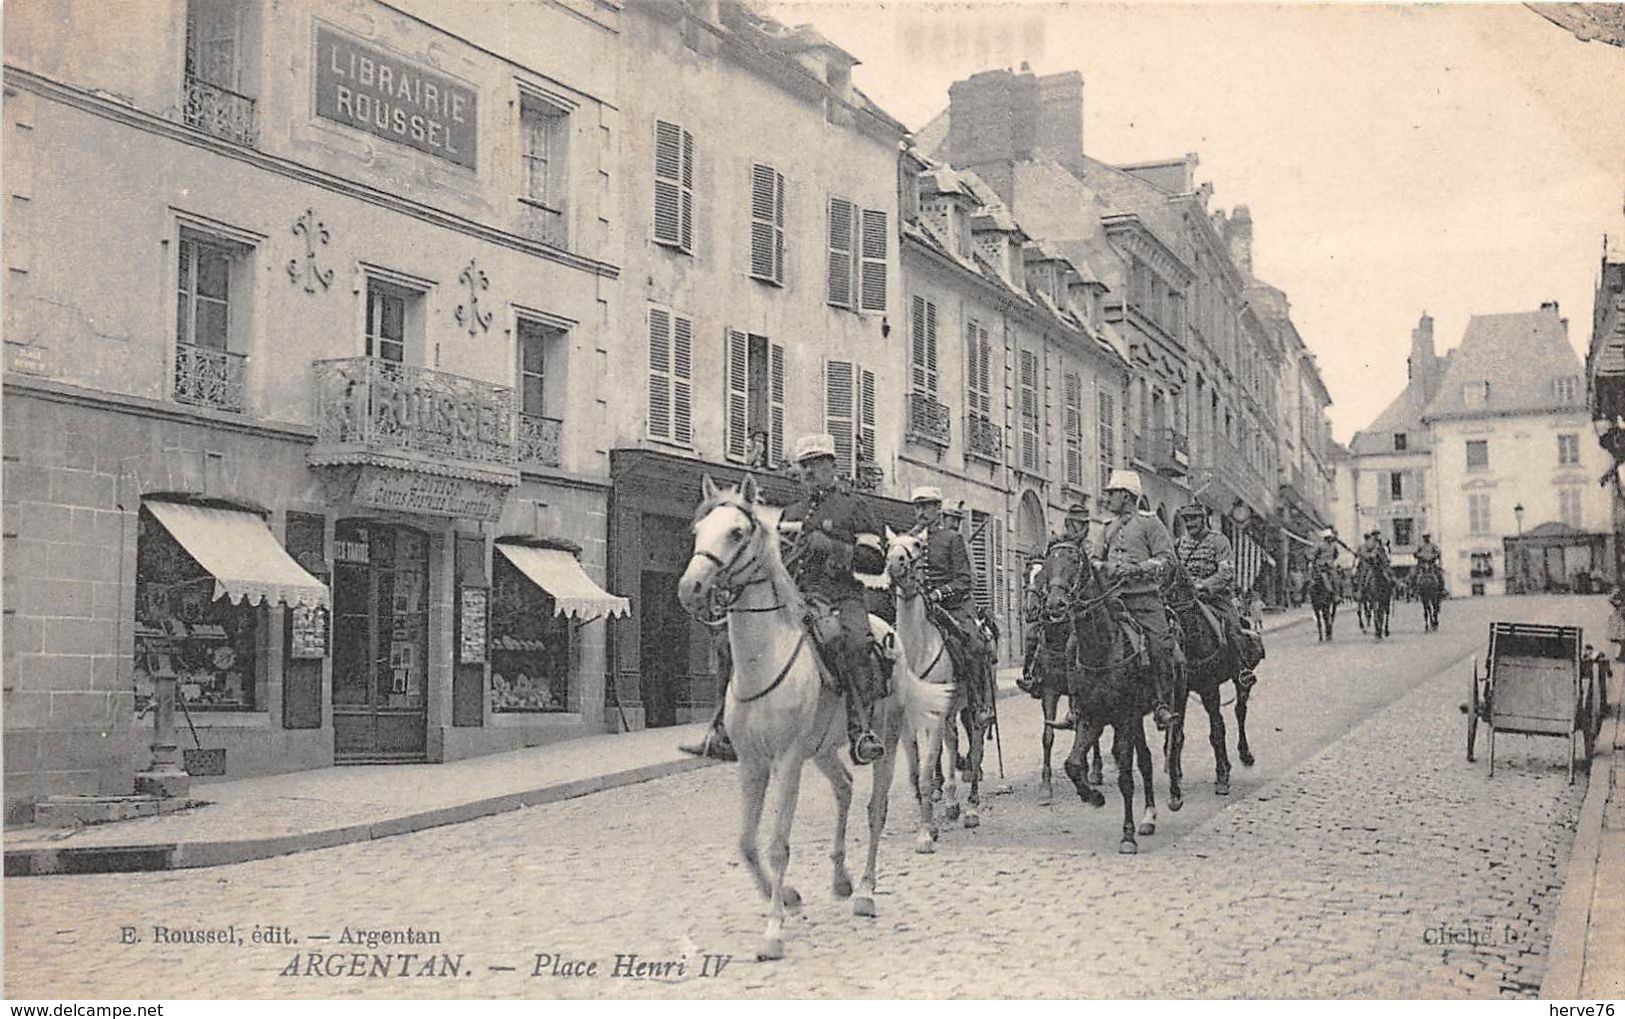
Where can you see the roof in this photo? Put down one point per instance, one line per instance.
(1403, 415)
(1519, 355)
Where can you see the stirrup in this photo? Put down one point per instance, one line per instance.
(1162, 716)
(867, 749)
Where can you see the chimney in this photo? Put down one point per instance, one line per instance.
(1423, 365)
(1550, 306)
(1060, 118)
(1239, 231)
(992, 117)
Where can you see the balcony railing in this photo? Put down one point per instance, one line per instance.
(983, 438)
(928, 420)
(539, 441)
(208, 377)
(221, 112)
(371, 404)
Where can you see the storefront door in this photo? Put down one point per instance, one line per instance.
(664, 647)
(380, 643)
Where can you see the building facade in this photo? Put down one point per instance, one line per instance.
(298, 425)
(1605, 386)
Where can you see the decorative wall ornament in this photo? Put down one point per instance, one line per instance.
(469, 315)
(315, 233)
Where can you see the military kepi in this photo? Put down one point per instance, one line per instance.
(810, 447)
(926, 493)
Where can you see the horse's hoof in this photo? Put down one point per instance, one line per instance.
(1092, 797)
(972, 819)
(925, 842)
(1176, 801)
(1221, 787)
(1046, 794)
(1095, 777)
(1148, 828)
(842, 886)
(771, 949)
(863, 905)
(1128, 847)
(791, 898)
(951, 812)
(1246, 757)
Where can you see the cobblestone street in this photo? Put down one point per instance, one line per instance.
(1362, 856)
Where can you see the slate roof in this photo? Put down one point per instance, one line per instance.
(1403, 415)
(1519, 355)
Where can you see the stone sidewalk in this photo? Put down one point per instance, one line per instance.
(255, 818)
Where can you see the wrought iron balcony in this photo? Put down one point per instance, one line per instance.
(221, 112)
(366, 405)
(539, 441)
(983, 438)
(209, 377)
(928, 420)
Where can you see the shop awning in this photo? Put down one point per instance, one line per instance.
(241, 553)
(559, 574)
(1402, 559)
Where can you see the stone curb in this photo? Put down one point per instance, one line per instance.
(182, 855)
(1571, 931)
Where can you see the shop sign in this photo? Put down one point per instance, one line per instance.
(410, 492)
(375, 91)
(473, 624)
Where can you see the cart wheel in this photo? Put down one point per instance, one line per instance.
(1472, 715)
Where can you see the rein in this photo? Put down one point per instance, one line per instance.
(801, 642)
(908, 586)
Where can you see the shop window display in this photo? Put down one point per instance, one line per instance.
(208, 645)
(530, 646)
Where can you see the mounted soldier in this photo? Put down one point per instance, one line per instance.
(949, 583)
(828, 534)
(1207, 557)
(1326, 554)
(1073, 541)
(1372, 552)
(1428, 556)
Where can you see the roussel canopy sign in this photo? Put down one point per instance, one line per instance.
(375, 91)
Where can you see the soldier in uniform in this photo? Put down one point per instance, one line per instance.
(1207, 558)
(1428, 556)
(1073, 539)
(1326, 553)
(1372, 551)
(834, 533)
(1137, 546)
(948, 586)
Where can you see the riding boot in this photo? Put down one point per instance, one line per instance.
(1162, 713)
(866, 747)
(715, 743)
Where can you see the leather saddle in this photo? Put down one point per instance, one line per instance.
(823, 625)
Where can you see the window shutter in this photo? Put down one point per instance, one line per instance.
(688, 192)
(840, 252)
(659, 373)
(996, 528)
(736, 377)
(973, 371)
(682, 380)
(931, 347)
(838, 412)
(866, 413)
(775, 382)
(766, 223)
(875, 236)
(1074, 429)
(1029, 411)
(778, 228)
(669, 174)
(981, 560)
(917, 345)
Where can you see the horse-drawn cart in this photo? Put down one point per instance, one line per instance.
(1537, 681)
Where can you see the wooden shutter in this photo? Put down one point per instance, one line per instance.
(996, 528)
(875, 235)
(981, 558)
(766, 223)
(659, 373)
(842, 228)
(669, 190)
(1073, 423)
(1107, 425)
(839, 412)
(682, 380)
(1029, 412)
(736, 393)
(687, 230)
(775, 382)
(923, 355)
(866, 412)
(973, 371)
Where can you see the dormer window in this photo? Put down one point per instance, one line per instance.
(1564, 389)
(1401, 441)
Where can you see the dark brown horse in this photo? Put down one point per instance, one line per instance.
(1047, 679)
(1430, 591)
(1323, 597)
(1108, 685)
(1210, 662)
(1375, 585)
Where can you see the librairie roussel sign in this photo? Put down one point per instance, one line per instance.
(375, 91)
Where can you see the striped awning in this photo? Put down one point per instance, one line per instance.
(559, 574)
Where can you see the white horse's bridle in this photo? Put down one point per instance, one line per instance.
(726, 579)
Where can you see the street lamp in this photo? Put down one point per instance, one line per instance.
(1517, 511)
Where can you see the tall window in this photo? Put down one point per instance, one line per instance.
(674, 187)
(539, 435)
(671, 376)
(1074, 429)
(1031, 455)
(849, 413)
(1478, 514)
(843, 229)
(204, 318)
(923, 347)
(217, 50)
(532, 367)
(386, 321)
(981, 437)
(755, 409)
(1396, 486)
(1568, 500)
(766, 224)
(1404, 530)
(1478, 454)
(544, 134)
(1107, 429)
(873, 245)
(1568, 449)
(987, 562)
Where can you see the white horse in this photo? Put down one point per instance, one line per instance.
(779, 713)
(923, 642)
